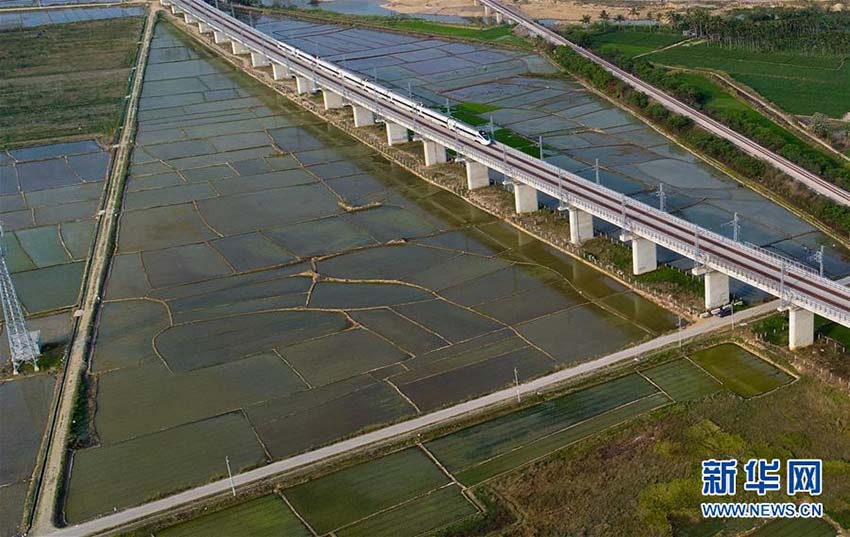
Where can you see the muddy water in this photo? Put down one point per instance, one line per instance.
(247, 302)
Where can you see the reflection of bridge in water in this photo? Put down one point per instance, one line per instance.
(802, 291)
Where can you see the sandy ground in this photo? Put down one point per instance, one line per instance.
(571, 10)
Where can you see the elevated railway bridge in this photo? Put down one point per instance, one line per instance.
(803, 292)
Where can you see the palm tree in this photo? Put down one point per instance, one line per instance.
(620, 18)
(604, 16)
(585, 19)
(634, 12)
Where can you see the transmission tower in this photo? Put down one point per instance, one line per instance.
(22, 345)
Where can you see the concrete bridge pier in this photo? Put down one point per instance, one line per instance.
(363, 117)
(644, 254)
(716, 287)
(331, 99)
(396, 134)
(434, 153)
(499, 18)
(164, 3)
(488, 11)
(258, 60)
(204, 28)
(280, 71)
(220, 38)
(477, 175)
(239, 49)
(304, 85)
(801, 328)
(525, 198)
(581, 226)
(189, 18)
(175, 10)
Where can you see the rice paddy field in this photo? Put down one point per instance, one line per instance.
(25, 402)
(248, 307)
(800, 84)
(482, 84)
(408, 489)
(631, 43)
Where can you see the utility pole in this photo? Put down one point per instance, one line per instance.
(516, 383)
(540, 145)
(735, 223)
(817, 257)
(230, 475)
(662, 197)
(596, 167)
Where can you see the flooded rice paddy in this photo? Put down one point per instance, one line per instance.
(24, 404)
(49, 197)
(577, 128)
(31, 19)
(250, 312)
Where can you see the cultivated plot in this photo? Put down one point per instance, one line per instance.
(480, 83)
(245, 287)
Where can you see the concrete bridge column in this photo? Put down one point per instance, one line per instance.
(396, 134)
(332, 100)
(363, 117)
(581, 226)
(716, 287)
(280, 71)
(220, 38)
(175, 10)
(258, 60)
(499, 18)
(189, 18)
(801, 328)
(304, 84)
(164, 3)
(204, 28)
(644, 256)
(434, 153)
(525, 198)
(239, 49)
(477, 175)
(487, 11)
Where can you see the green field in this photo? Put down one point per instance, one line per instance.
(439, 508)
(743, 373)
(476, 444)
(65, 79)
(350, 495)
(631, 43)
(131, 472)
(267, 516)
(800, 84)
(795, 527)
(682, 380)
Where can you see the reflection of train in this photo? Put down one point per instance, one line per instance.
(390, 98)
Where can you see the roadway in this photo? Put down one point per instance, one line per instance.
(798, 284)
(804, 176)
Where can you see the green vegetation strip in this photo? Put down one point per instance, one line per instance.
(422, 515)
(745, 374)
(267, 516)
(631, 43)
(559, 440)
(474, 445)
(795, 527)
(354, 493)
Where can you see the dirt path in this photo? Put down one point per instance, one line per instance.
(51, 477)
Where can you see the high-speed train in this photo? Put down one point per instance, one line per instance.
(388, 97)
